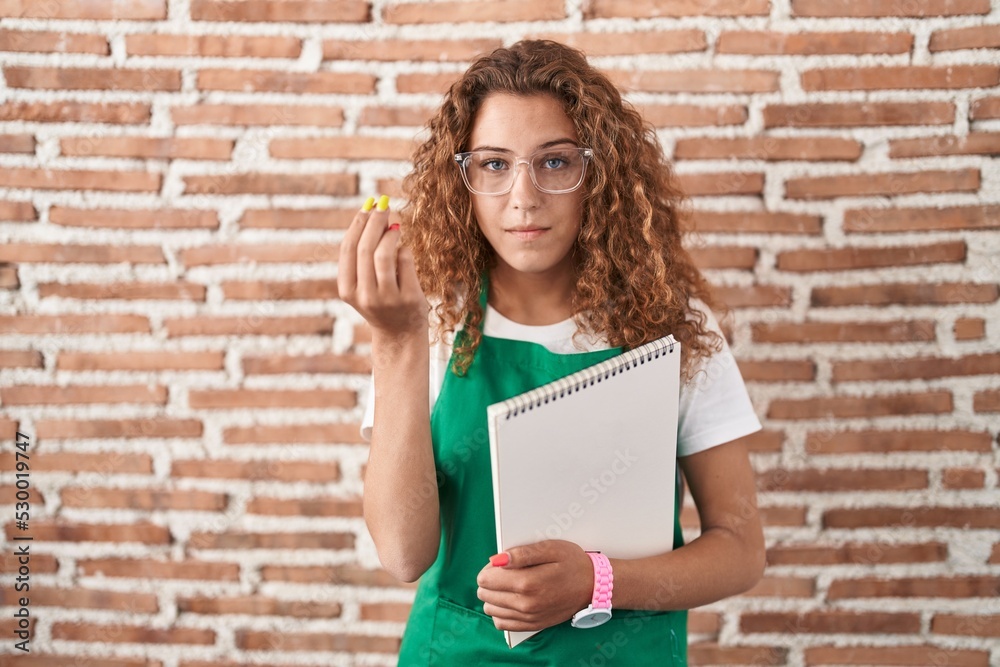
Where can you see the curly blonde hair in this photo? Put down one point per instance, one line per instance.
(634, 277)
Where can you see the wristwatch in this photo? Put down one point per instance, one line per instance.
(599, 609)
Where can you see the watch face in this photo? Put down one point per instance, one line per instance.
(592, 618)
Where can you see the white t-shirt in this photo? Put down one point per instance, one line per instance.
(714, 405)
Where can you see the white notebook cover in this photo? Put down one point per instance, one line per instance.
(591, 458)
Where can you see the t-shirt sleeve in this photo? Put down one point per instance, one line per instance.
(714, 407)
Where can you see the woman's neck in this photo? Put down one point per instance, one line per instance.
(531, 299)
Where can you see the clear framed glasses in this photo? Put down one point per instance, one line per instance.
(554, 171)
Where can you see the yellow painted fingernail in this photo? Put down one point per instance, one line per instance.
(369, 203)
(383, 203)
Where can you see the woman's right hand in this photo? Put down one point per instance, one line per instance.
(376, 275)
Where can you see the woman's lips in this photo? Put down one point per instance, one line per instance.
(527, 234)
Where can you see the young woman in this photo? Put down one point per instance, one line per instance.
(545, 227)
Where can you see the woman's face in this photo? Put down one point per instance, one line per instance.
(531, 231)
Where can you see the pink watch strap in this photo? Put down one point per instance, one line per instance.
(604, 580)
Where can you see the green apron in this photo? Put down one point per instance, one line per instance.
(447, 625)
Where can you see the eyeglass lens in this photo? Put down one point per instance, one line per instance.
(553, 170)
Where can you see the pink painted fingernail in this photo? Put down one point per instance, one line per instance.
(500, 560)
(393, 226)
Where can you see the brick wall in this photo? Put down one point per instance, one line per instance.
(176, 175)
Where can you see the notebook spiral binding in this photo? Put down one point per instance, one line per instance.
(570, 384)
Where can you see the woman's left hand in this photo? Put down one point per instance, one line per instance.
(542, 585)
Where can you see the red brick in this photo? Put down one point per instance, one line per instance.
(913, 517)
(8, 277)
(768, 149)
(268, 115)
(885, 184)
(853, 622)
(79, 179)
(966, 624)
(262, 253)
(975, 37)
(766, 440)
(754, 296)
(394, 612)
(286, 540)
(262, 640)
(405, 116)
(345, 148)
(923, 368)
(856, 554)
(777, 371)
(905, 293)
(347, 575)
(17, 211)
(153, 148)
(292, 218)
(898, 78)
(271, 398)
(280, 81)
(93, 78)
(319, 433)
(131, 634)
(969, 328)
(20, 359)
(149, 569)
(325, 472)
(652, 8)
(8, 431)
(134, 360)
(757, 222)
(880, 8)
(248, 325)
(852, 258)
(259, 606)
(182, 291)
(930, 402)
(709, 653)
(974, 143)
(912, 655)
(783, 587)
(995, 554)
(826, 332)
(852, 442)
(17, 143)
(47, 660)
(73, 324)
(165, 218)
(47, 530)
(693, 115)
(281, 11)
(881, 220)
(319, 507)
(984, 108)
(50, 41)
(422, 82)
(396, 50)
(714, 184)
(320, 363)
(86, 598)
(597, 44)
(910, 587)
(986, 401)
(41, 563)
(269, 291)
(83, 394)
(783, 516)
(337, 185)
(8, 494)
(696, 80)
(111, 10)
(809, 43)
(782, 480)
(143, 499)
(725, 257)
(466, 12)
(963, 478)
(61, 253)
(105, 463)
(858, 114)
(152, 427)
(213, 46)
(76, 112)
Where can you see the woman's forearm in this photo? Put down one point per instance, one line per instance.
(400, 486)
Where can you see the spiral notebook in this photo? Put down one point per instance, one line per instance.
(591, 458)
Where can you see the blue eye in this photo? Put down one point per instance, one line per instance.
(492, 164)
(554, 163)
